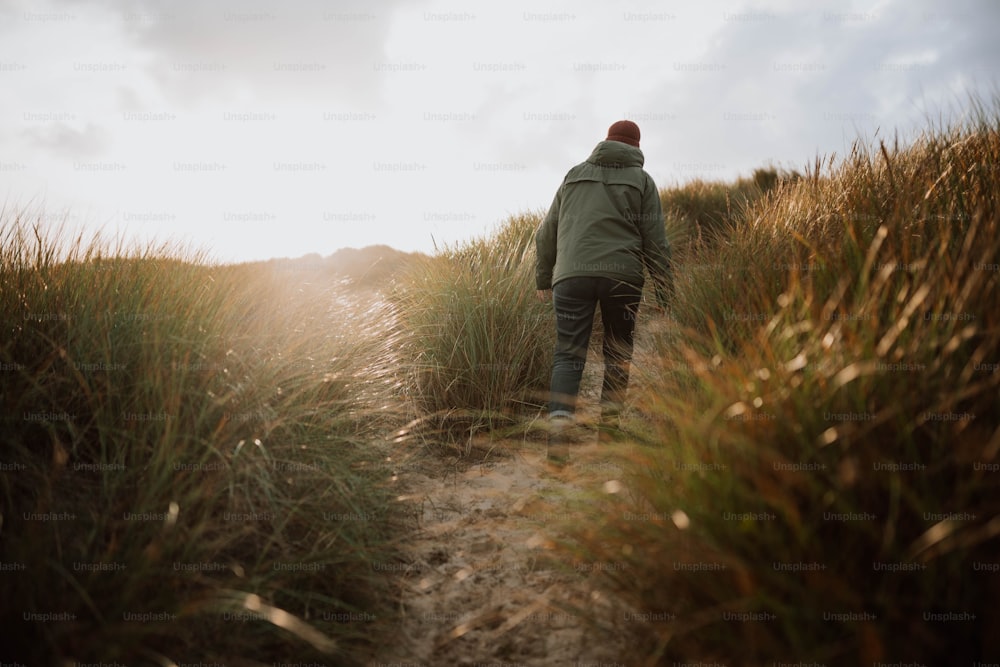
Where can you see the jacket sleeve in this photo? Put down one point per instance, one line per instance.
(545, 245)
(656, 253)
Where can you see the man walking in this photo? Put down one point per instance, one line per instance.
(604, 227)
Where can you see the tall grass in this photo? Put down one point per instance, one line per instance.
(826, 414)
(709, 209)
(477, 344)
(185, 476)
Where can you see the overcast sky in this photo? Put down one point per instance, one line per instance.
(259, 129)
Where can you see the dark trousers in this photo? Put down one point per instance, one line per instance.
(576, 301)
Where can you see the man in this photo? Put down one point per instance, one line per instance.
(604, 227)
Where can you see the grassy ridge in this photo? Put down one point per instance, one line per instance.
(823, 485)
(708, 209)
(185, 473)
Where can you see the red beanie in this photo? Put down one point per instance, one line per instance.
(624, 131)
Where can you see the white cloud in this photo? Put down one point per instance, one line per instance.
(267, 129)
(61, 139)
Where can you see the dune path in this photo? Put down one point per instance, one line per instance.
(483, 584)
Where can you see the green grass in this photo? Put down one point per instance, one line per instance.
(477, 348)
(709, 209)
(825, 407)
(189, 472)
(477, 344)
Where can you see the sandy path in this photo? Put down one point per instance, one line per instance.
(482, 585)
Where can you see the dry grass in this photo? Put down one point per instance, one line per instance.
(188, 473)
(822, 482)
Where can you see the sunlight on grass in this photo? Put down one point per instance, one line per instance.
(477, 346)
(824, 412)
(184, 431)
(196, 465)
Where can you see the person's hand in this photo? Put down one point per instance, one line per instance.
(544, 295)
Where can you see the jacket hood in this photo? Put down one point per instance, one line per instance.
(616, 154)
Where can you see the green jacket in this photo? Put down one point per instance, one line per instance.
(606, 221)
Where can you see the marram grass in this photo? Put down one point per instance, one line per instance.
(188, 472)
(477, 344)
(820, 477)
